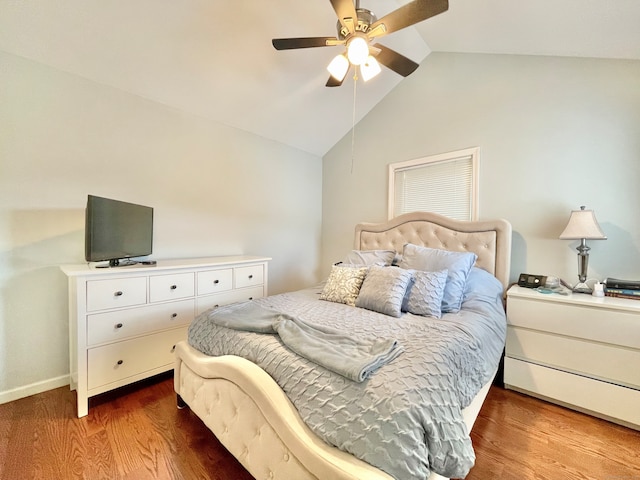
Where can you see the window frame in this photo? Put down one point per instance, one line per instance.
(473, 152)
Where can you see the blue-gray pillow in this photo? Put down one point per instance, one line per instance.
(370, 257)
(458, 265)
(424, 296)
(383, 290)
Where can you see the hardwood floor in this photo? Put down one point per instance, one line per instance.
(519, 437)
(137, 433)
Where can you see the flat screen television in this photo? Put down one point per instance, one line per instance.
(116, 230)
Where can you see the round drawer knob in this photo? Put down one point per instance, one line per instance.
(173, 287)
(250, 277)
(173, 349)
(250, 298)
(120, 362)
(118, 293)
(174, 315)
(216, 282)
(119, 325)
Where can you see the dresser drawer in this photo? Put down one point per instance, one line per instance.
(597, 360)
(591, 322)
(170, 287)
(117, 361)
(116, 292)
(249, 276)
(121, 324)
(242, 295)
(214, 281)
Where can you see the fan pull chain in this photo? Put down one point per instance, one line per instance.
(353, 121)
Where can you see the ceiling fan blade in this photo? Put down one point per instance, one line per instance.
(305, 42)
(346, 12)
(395, 61)
(407, 15)
(333, 82)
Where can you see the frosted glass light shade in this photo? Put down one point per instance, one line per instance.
(370, 68)
(338, 67)
(357, 50)
(582, 224)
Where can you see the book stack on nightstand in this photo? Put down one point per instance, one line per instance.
(622, 288)
(576, 350)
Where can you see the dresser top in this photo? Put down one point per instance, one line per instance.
(88, 269)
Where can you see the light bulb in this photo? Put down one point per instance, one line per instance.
(370, 68)
(357, 50)
(338, 67)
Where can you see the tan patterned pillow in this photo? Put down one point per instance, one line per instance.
(343, 284)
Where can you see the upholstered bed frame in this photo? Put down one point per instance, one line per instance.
(253, 418)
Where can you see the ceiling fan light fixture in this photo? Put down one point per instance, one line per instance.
(358, 30)
(357, 50)
(338, 67)
(370, 68)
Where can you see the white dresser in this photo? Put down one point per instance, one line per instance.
(124, 322)
(579, 351)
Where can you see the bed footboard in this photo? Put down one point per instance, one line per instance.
(253, 418)
(256, 422)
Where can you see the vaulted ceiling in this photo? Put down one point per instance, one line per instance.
(214, 58)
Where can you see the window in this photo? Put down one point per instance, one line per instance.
(446, 184)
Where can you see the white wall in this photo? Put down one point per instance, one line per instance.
(554, 133)
(216, 190)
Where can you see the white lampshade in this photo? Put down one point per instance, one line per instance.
(357, 50)
(583, 224)
(370, 68)
(338, 67)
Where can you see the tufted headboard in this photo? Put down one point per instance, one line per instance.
(490, 240)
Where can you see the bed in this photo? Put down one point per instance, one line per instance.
(263, 427)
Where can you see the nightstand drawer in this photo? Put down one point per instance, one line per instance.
(242, 295)
(117, 292)
(121, 324)
(603, 399)
(170, 287)
(117, 361)
(597, 360)
(587, 321)
(214, 281)
(249, 276)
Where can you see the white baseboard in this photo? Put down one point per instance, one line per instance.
(38, 387)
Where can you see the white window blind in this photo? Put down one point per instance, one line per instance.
(444, 184)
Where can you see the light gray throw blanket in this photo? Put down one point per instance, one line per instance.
(353, 358)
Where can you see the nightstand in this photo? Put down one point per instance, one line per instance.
(578, 351)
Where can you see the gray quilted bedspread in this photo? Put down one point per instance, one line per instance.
(406, 419)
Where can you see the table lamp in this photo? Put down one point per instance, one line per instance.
(582, 226)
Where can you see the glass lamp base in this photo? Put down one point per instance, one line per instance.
(581, 287)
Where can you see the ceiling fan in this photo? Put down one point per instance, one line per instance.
(357, 29)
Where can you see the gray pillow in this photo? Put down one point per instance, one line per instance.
(370, 257)
(424, 296)
(458, 265)
(383, 290)
(343, 284)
